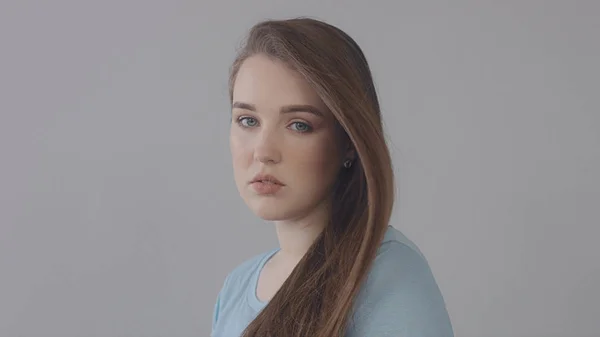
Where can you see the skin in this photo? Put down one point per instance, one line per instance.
(301, 149)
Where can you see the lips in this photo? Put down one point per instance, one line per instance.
(264, 184)
(266, 179)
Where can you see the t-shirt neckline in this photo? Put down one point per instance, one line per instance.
(253, 299)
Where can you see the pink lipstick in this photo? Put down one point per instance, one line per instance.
(266, 184)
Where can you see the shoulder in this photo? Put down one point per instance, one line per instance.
(400, 295)
(247, 267)
(236, 285)
(241, 275)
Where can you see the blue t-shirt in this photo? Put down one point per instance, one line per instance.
(400, 296)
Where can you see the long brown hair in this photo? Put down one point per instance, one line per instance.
(317, 298)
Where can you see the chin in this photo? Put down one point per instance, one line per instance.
(271, 213)
(270, 216)
(271, 210)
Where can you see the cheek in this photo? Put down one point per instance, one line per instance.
(317, 161)
(241, 153)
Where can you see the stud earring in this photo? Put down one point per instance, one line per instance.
(347, 163)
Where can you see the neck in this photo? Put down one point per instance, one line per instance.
(296, 236)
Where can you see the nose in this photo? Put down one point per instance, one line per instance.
(267, 149)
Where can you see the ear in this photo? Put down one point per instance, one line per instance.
(350, 152)
(345, 144)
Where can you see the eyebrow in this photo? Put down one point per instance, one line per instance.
(286, 109)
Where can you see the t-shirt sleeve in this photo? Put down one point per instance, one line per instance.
(217, 307)
(215, 316)
(400, 298)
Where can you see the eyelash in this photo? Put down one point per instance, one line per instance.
(243, 118)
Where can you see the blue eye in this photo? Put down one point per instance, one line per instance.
(247, 122)
(301, 127)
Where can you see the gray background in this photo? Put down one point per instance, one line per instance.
(118, 211)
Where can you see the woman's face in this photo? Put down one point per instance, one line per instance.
(281, 128)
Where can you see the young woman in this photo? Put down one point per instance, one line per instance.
(309, 154)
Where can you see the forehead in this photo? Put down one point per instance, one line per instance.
(270, 83)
